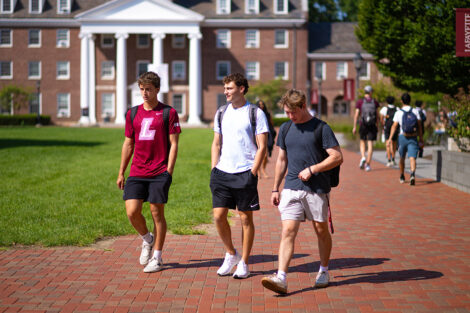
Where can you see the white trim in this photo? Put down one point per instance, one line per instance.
(34, 45)
(11, 70)
(176, 75)
(12, 6)
(174, 42)
(223, 9)
(65, 113)
(218, 76)
(254, 10)
(286, 70)
(338, 56)
(7, 45)
(40, 7)
(256, 73)
(113, 70)
(183, 102)
(286, 39)
(256, 23)
(38, 76)
(36, 22)
(65, 9)
(106, 45)
(367, 77)
(63, 43)
(219, 44)
(63, 77)
(255, 44)
(345, 73)
(323, 69)
(285, 5)
(113, 105)
(140, 46)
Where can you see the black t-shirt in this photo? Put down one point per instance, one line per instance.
(303, 150)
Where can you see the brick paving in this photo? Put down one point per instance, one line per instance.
(396, 248)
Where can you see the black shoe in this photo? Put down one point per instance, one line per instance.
(402, 178)
(412, 180)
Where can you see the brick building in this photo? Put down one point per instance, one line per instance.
(83, 57)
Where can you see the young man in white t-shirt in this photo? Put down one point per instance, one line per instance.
(236, 155)
(407, 142)
(386, 118)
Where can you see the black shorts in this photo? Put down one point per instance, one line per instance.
(368, 132)
(387, 135)
(151, 189)
(239, 190)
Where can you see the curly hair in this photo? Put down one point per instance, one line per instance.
(238, 79)
(292, 99)
(149, 78)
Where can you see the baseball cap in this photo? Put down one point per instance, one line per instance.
(368, 88)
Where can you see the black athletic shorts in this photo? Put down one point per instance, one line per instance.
(152, 189)
(368, 132)
(387, 135)
(239, 190)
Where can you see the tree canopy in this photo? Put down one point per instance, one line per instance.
(332, 10)
(413, 42)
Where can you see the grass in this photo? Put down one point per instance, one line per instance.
(59, 185)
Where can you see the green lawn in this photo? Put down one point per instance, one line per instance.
(59, 185)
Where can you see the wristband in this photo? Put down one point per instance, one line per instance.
(310, 170)
(275, 191)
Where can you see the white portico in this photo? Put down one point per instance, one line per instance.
(124, 17)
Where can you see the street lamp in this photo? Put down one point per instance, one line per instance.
(358, 61)
(38, 89)
(320, 81)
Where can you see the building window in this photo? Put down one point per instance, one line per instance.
(6, 70)
(222, 69)
(221, 100)
(280, 6)
(35, 103)
(251, 6)
(178, 103)
(252, 38)
(281, 70)
(223, 6)
(34, 38)
(35, 6)
(63, 6)
(107, 70)
(340, 107)
(143, 41)
(320, 70)
(178, 70)
(6, 38)
(107, 105)
(34, 69)
(142, 67)
(178, 41)
(364, 72)
(341, 70)
(7, 6)
(63, 70)
(281, 38)
(107, 41)
(63, 105)
(63, 38)
(223, 38)
(252, 70)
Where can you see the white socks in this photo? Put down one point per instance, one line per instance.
(148, 237)
(323, 269)
(282, 275)
(157, 254)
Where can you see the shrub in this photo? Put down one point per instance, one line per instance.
(24, 119)
(459, 126)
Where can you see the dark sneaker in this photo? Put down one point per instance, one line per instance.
(402, 178)
(412, 180)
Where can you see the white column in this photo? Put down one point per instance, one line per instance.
(195, 78)
(84, 72)
(91, 81)
(158, 54)
(121, 78)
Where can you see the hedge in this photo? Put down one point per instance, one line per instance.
(24, 119)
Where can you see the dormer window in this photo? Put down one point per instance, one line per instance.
(7, 6)
(35, 6)
(251, 6)
(280, 6)
(223, 6)
(63, 6)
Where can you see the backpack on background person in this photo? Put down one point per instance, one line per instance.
(389, 119)
(369, 112)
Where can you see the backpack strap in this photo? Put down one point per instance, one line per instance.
(220, 115)
(285, 130)
(253, 109)
(166, 125)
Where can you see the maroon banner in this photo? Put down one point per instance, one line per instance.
(348, 89)
(314, 96)
(462, 32)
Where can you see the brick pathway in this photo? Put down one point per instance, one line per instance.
(396, 249)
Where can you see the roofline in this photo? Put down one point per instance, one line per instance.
(38, 22)
(253, 22)
(339, 56)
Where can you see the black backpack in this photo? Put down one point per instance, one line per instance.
(333, 173)
(252, 110)
(389, 119)
(369, 113)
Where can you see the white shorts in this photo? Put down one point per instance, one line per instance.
(299, 205)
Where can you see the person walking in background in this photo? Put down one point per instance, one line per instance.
(271, 138)
(386, 118)
(151, 134)
(308, 148)
(408, 123)
(423, 117)
(367, 110)
(239, 146)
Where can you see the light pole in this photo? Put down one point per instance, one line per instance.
(38, 89)
(358, 60)
(320, 80)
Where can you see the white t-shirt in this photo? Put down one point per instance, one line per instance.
(238, 148)
(398, 117)
(383, 110)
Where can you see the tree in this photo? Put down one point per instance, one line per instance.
(270, 92)
(322, 11)
(413, 42)
(13, 97)
(348, 10)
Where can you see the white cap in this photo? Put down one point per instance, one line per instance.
(368, 89)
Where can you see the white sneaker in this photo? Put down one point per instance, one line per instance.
(367, 168)
(389, 164)
(146, 253)
(242, 270)
(229, 263)
(362, 163)
(275, 284)
(322, 280)
(154, 265)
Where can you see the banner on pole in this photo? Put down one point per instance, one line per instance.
(348, 89)
(314, 96)
(462, 32)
